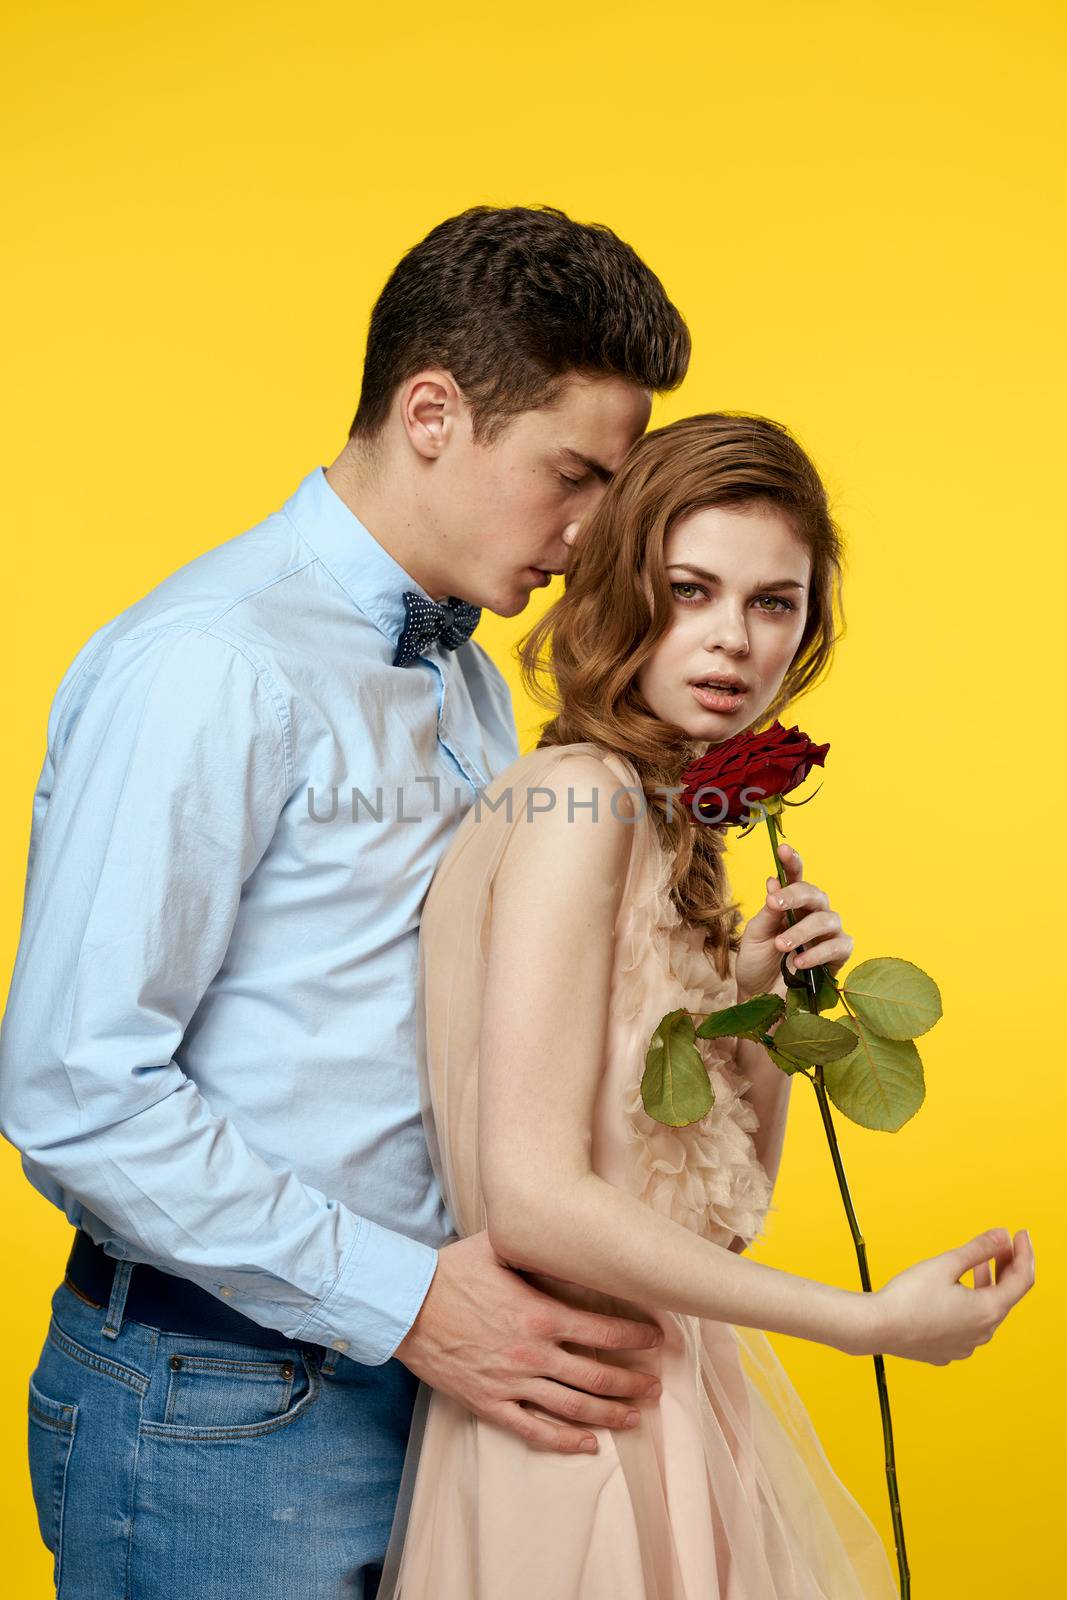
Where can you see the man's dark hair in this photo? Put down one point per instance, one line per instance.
(512, 302)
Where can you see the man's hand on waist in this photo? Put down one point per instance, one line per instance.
(495, 1343)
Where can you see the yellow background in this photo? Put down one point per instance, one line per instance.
(856, 210)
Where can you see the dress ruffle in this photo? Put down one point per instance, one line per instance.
(706, 1175)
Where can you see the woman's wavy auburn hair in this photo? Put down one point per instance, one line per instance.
(582, 657)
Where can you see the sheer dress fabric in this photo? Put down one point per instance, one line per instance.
(723, 1491)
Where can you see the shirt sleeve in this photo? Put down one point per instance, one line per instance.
(166, 773)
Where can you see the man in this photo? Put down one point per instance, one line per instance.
(207, 1058)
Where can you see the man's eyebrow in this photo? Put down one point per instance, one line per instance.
(770, 583)
(576, 457)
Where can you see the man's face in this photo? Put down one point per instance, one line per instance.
(508, 512)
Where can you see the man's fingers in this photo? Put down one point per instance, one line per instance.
(538, 1433)
(983, 1277)
(574, 1405)
(609, 1333)
(604, 1377)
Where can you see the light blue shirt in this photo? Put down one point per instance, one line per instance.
(207, 1058)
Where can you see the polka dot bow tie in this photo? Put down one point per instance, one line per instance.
(451, 621)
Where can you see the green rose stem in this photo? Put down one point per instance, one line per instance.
(816, 1078)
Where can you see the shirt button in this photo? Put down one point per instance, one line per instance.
(226, 1290)
(339, 1344)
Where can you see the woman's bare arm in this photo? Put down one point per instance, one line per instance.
(545, 1010)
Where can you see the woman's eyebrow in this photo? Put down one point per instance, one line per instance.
(770, 583)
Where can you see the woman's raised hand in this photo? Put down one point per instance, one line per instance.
(768, 936)
(926, 1314)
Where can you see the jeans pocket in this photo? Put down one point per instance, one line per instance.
(232, 1392)
(51, 1435)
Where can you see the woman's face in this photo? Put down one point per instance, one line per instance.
(739, 578)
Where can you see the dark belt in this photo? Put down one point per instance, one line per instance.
(164, 1301)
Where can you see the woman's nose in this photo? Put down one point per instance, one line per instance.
(570, 532)
(727, 631)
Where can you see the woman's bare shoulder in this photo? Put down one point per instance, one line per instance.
(582, 774)
(572, 837)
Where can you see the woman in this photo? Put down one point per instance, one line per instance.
(554, 938)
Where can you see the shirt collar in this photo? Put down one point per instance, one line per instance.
(363, 567)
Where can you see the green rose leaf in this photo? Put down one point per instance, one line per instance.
(825, 995)
(675, 1088)
(748, 1020)
(794, 1002)
(783, 1061)
(880, 1085)
(893, 997)
(813, 1039)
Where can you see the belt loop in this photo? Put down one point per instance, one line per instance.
(117, 1304)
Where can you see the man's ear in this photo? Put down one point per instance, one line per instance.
(430, 405)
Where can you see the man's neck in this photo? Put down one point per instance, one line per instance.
(385, 512)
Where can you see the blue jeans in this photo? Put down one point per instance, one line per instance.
(172, 1467)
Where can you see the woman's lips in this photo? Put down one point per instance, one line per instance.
(718, 699)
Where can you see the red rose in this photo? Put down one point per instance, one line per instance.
(758, 764)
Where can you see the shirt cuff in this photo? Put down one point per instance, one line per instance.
(379, 1292)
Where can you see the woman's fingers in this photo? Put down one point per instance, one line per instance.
(822, 924)
(982, 1275)
(825, 943)
(790, 861)
(829, 952)
(1014, 1279)
(976, 1250)
(796, 896)
(1000, 1256)
(816, 924)
(833, 954)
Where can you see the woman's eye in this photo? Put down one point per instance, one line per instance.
(575, 483)
(778, 602)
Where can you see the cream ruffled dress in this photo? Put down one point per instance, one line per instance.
(723, 1491)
